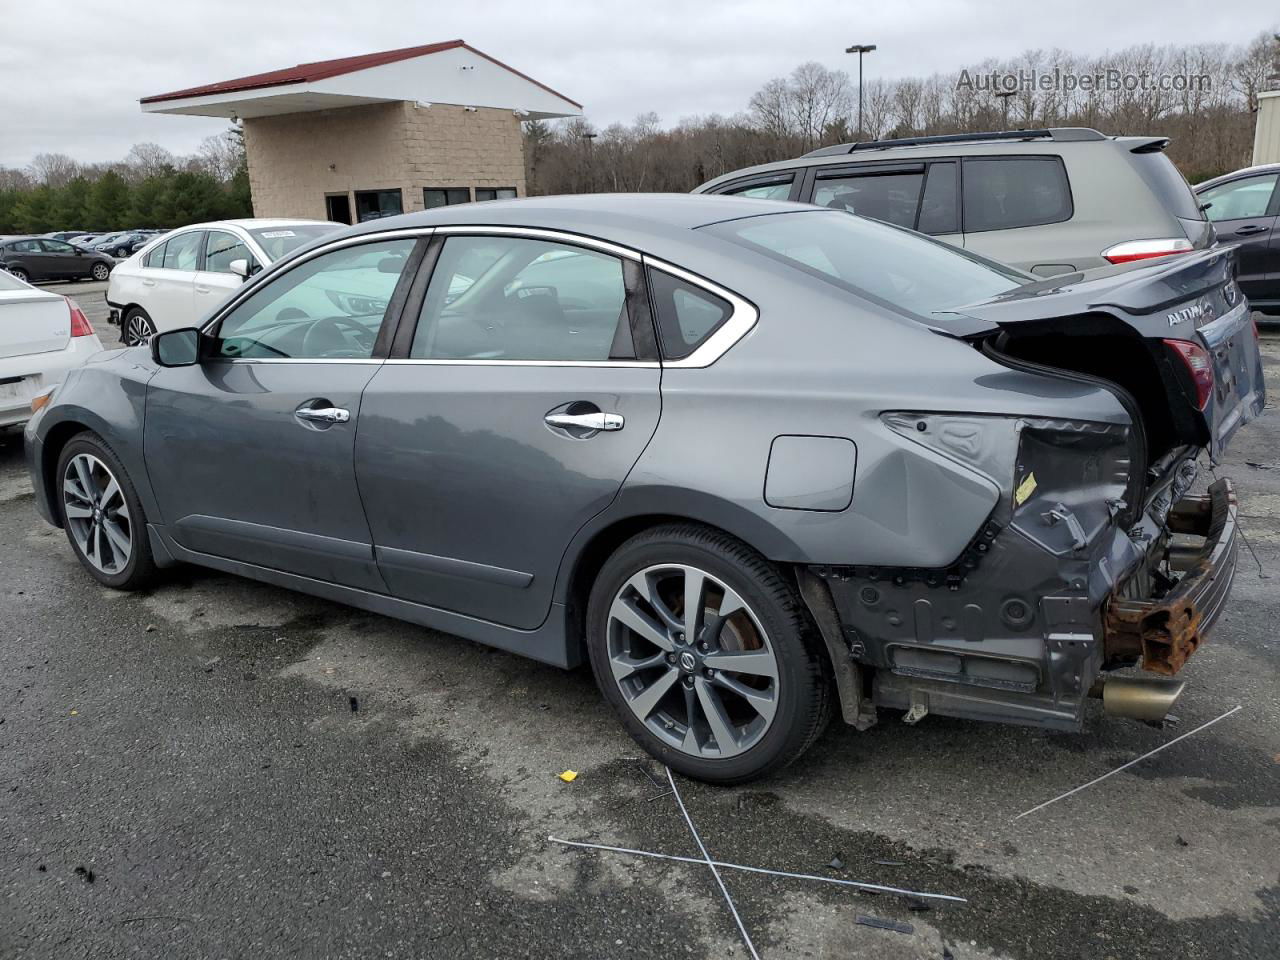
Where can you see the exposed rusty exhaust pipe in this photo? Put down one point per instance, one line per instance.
(1143, 698)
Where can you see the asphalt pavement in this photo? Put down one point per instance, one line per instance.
(217, 768)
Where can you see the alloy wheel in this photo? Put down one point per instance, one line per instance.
(97, 514)
(136, 330)
(692, 660)
(100, 271)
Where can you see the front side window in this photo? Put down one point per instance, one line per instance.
(376, 204)
(495, 193)
(182, 252)
(445, 196)
(890, 197)
(1010, 192)
(329, 307)
(510, 298)
(779, 189)
(221, 248)
(1250, 197)
(901, 270)
(686, 313)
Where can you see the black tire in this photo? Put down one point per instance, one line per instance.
(99, 268)
(804, 694)
(136, 322)
(121, 253)
(140, 569)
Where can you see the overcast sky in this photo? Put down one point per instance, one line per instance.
(70, 82)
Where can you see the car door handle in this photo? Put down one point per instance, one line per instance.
(148, 283)
(1251, 228)
(323, 414)
(200, 289)
(585, 421)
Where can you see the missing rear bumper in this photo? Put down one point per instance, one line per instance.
(1163, 633)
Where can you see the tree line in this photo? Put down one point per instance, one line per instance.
(1207, 108)
(150, 187)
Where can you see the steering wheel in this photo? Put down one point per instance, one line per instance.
(325, 338)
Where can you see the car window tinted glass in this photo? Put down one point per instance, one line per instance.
(508, 298)
(893, 198)
(939, 209)
(25, 246)
(57, 246)
(1001, 194)
(902, 270)
(221, 248)
(329, 307)
(779, 190)
(686, 314)
(1243, 198)
(277, 241)
(181, 251)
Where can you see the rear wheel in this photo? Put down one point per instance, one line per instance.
(100, 271)
(704, 651)
(102, 515)
(136, 328)
(21, 274)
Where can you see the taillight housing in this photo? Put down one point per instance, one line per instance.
(1198, 364)
(1132, 250)
(80, 325)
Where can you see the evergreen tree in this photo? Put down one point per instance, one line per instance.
(33, 213)
(71, 205)
(108, 207)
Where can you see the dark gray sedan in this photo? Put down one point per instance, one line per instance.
(754, 461)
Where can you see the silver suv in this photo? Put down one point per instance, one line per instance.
(1047, 201)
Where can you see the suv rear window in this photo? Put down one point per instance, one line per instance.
(1168, 185)
(1002, 193)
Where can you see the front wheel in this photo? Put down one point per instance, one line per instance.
(102, 515)
(703, 649)
(136, 328)
(100, 271)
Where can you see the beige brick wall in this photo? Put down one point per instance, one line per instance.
(296, 159)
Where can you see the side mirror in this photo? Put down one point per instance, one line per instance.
(176, 348)
(240, 268)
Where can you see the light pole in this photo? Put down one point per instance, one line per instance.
(590, 138)
(860, 49)
(1004, 96)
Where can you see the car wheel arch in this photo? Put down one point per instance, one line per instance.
(54, 442)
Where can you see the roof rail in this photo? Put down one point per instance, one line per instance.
(1059, 134)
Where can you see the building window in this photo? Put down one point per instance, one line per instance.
(376, 204)
(337, 206)
(495, 193)
(445, 196)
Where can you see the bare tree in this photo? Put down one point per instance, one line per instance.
(149, 160)
(817, 98)
(53, 169)
(220, 155)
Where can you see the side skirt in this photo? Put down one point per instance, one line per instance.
(547, 643)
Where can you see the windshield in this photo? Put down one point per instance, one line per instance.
(277, 241)
(895, 267)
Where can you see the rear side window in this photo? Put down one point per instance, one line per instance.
(182, 251)
(889, 197)
(686, 314)
(1009, 192)
(774, 189)
(1159, 173)
(940, 207)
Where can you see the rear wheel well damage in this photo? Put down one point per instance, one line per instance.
(814, 596)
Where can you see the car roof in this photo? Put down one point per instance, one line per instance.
(1003, 143)
(1242, 172)
(627, 219)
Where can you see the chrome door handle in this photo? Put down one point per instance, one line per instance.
(323, 414)
(586, 421)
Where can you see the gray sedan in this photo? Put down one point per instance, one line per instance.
(755, 462)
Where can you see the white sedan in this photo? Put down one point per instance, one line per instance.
(179, 277)
(42, 336)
